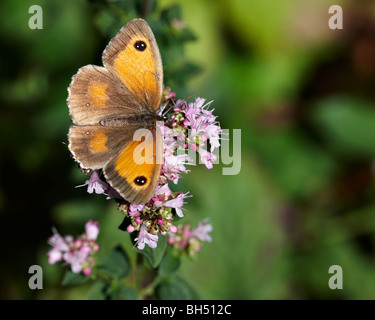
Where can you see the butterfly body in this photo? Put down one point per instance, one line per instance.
(113, 106)
(145, 120)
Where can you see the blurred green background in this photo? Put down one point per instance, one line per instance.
(302, 94)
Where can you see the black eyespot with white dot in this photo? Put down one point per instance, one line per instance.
(140, 181)
(140, 45)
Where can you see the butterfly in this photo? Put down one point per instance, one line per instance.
(114, 113)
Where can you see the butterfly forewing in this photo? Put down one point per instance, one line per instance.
(134, 57)
(95, 94)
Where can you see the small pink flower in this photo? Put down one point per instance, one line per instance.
(162, 190)
(92, 230)
(95, 184)
(146, 238)
(54, 256)
(202, 230)
(202, 123)
(59, 245)
(135, 209)
(213, 133)
(177, 203)
(130, 228)
(206, 157)
(174, 165)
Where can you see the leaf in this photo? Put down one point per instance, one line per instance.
(175, 288)
(154, 256)
(116, 264)
(348, 124)
(97, 291)
(71, 278)
(186, 35)
(173, 12)
(170, 263)
(122, 293)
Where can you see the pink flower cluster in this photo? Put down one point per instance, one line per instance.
(191, 126)
(189, 241)
(155, 216)
(78, 253)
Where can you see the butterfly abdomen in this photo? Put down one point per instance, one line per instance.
(142, 120)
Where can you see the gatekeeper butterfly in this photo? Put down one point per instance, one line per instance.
(114, 106)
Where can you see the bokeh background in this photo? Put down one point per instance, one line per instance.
(302, 94)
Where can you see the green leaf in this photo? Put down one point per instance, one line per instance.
(170, 263)
(71, 278)
(173, 12)
(186, 35)
(116, 264)
(122, 293)
(97, 291)
(348, 124)
(154, 256)
(175, 288)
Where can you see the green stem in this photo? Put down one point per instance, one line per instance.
(149, 290)
(137, 272)
(142, 275)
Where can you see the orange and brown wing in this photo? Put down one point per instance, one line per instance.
(133, 56)
(134, 172)
(95, 94)
(94, 146)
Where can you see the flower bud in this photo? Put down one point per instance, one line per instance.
(186, 233)
(87, 272)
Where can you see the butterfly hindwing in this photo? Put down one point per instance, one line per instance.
(134, 172)
(94, 146)
(134, 57)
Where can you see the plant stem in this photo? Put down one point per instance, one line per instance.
(147, 7)
(138, 272)
(149, 290)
